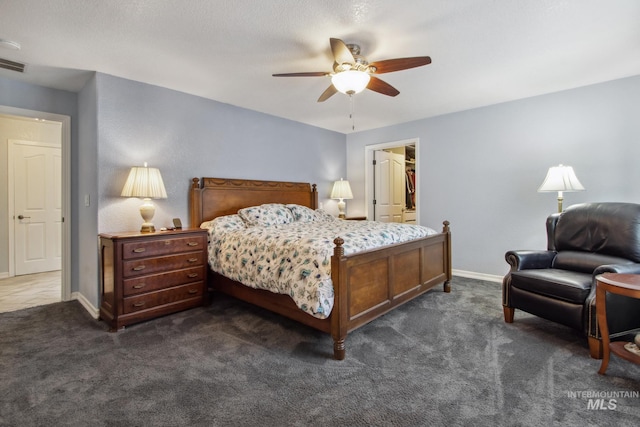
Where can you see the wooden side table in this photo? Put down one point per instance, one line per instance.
(621, 284)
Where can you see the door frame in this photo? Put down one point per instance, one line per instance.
(368, 171)
(65, 285)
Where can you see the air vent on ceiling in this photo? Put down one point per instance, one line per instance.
(11, 65)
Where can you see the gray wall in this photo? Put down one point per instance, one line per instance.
(480, 169)
(187, 136)
(85, 160)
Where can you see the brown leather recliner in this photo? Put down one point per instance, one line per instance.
(559, 284)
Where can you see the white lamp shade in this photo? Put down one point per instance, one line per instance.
(351, 81)
(561, 178)
(144, 182)
(341, 190)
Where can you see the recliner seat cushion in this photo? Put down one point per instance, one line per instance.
(570, 286)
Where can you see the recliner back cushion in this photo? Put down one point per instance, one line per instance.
(584, 262)
(606, 228)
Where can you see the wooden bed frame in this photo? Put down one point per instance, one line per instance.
(366, 284)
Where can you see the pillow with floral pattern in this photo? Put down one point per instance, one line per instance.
(302, 213)
(222, 224)
(227, 223)
(266, 215)
(323, 216)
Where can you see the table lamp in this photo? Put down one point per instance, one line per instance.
(341, 190)
(560, 178)
(145, 182)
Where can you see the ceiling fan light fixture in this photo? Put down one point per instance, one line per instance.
(350, 82)
(9, 44)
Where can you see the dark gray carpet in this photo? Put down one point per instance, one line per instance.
(444, 359)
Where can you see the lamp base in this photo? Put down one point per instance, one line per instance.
(560, 199)
(148, 228)
(341, 206)
(147, 210)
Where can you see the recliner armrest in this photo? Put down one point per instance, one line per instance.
(631, 268)
(623, 314)
(528, 260)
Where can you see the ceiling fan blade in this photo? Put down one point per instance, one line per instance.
(341, 52)
(377, 85)
(309, 74)
(331, 90)
(399, 64)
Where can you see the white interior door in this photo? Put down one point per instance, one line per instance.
(389, 186)
(37, 213)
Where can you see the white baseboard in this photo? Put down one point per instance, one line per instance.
(4, 275)
(479, 276)
(93, 311)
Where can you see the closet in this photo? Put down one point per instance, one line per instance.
(395, 184)
(410, 194)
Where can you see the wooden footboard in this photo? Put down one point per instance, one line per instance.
(369, 284)
(366, 284)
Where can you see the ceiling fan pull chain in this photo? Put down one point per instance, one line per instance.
(353, 120)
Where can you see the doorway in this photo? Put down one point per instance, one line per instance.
(63, 176)
(35, 205)
(389, 186)
(395, 184)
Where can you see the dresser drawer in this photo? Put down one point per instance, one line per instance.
(154, 282)
(166, 296)
(159, 264)
(148, 248)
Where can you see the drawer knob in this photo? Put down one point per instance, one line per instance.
(192, 244)
(139, 250)
(193, 291)
(139, 268)
(192, 260)
(139, 304)
(139, 286)
(192, 275)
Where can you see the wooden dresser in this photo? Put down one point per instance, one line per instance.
(144, 276)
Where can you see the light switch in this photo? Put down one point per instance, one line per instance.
(87, 200)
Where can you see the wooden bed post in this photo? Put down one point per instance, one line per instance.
(195, 202)
(314, 196)
(340, 311)
(447, 232)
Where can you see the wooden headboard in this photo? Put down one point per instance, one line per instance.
(213, 197)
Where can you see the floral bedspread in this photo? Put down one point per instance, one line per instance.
(294, 258)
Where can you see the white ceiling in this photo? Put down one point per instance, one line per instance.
(483, 51)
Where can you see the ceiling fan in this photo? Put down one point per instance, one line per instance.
(352, 73)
